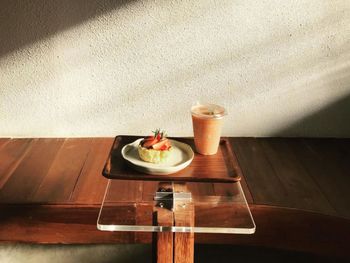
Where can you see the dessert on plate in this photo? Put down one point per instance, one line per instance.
(155, 148)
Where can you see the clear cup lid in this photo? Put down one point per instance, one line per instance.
(208, 111)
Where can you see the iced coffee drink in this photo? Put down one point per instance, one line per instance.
(207, 122)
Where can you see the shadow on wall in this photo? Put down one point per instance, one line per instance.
(331, 121)
(162, 60)
(31, 21)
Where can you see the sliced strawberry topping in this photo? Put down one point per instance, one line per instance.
(156, 142)
(165, 147)
(162, 145)
(149, 142)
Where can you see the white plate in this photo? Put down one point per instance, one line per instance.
(181, 156)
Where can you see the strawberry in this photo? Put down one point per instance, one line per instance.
(149, 142)
(164, 148)
(162, 145)
(158, 141)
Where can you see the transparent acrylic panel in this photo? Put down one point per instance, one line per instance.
(143, 206)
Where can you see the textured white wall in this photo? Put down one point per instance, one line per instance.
(101, 68)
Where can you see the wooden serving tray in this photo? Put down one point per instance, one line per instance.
(222, 167)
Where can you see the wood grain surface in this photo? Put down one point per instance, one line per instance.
(91, 185)
(3, 141)
(55, 224)
(51, 190)
(30, 172)
(165, 244)
(282, 228)
(184, 214)
(294, 179)
(293, 230)
(59, 182)
(11, 154)
(327, 162)
(308, 174)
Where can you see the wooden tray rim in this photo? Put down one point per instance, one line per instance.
(225, 140)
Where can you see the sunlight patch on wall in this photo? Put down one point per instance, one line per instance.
(144, 64)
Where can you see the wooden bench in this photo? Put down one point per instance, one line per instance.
(51, 191)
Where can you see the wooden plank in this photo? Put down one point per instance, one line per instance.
(144, 217)
(184, 242)
(56, 224)
(3, 141)
(227, 209)
(124, 191)
(344, 147)
(227, 191)
(199, 190)
(244, 184)
(183, 216)
(262, 181)
(31, 171)
(341, 153)
(282, 228)
(327, 161)
(293, 230)
(164, 217)
(149, 188)
(302, 191)
(91, 185)
(61, 178)
(11, 154)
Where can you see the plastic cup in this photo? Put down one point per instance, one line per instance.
(207, 120)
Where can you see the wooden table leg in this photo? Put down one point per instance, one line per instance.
(164, 250)
(163, 216)
(183, 242)
(183, 216)
(178, 247)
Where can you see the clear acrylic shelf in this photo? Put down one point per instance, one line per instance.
(214, 207)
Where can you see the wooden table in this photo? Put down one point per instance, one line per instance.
(204, 197)
(51, 190)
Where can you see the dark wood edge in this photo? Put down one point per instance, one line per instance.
(55, 224)
(233, 157)
(293, 230)
(277, 227)
(109, 154)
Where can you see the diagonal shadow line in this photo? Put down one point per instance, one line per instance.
(225, 59)
(330, 121)
(88, 12)
(335, 118)
(98, 11)
(26, 22)
(180, 77)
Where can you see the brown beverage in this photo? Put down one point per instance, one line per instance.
(207, 122)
